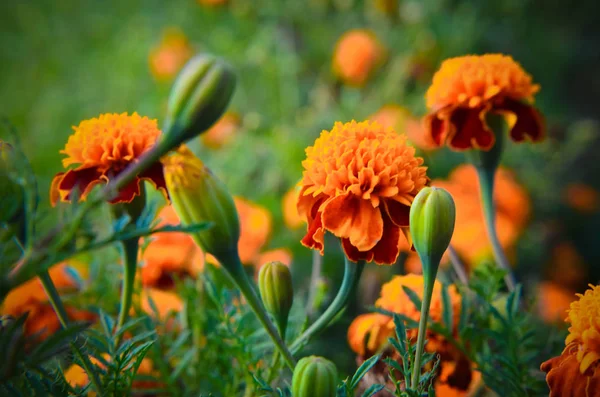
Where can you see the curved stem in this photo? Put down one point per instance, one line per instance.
(422, 332)
(458, 265)
(61, 313)
(130, 252)
(486, 185)
(352, 273)
(317, 262)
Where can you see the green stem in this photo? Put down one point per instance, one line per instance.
(130, 253)
(416, 374)
(61, 313)
(317, 262)
(486, 184)
(458, 266)
(352, 273)
(239, 276)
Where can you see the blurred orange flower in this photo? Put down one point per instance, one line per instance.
(164, 301)
(359, 182)
(400, 119)
(512, 211)
(576, 372)
(465, 89)
(212, 2)
(103, 147)
(282, 255)
(31, 297)
(369, 332)
(170, 255)
(255, 227)
(222, 132)
(567, 267)
(554, 301)
(582, 198)
(356, 55)
(291, 217)
(170, 55)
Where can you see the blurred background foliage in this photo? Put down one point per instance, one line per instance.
(63, 61)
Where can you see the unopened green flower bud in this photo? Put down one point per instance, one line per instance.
(11, 193)
(198, 98)
(432, 217)
(314, 377)
(277, 292)
(198, 196)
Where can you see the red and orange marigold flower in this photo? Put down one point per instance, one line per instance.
(576, 372)
(466, 89)
(359, 182)
(102, 148)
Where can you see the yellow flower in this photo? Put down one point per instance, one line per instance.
(359, 182)
(170, 55)
(465, 89)
(584, 316)
(102, 148)
(356, 56)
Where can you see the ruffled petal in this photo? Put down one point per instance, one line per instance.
(470, 130)
(525, 121)
(315, 233)
(83, 180)
(156, 177)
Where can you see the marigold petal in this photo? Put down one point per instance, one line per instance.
(156, 177)
(471, 131)
(525, 121)
(82, 179)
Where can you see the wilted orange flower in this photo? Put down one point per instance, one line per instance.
(576, 372)
(465, 89)
(582, 198)
(512, 211)
(255, 227)
(31, 297)
(359, 182)
(170, 255)
(554, 301)
(222, 132)
(400, 119)
(102, 148)
(282, 255)
(291, 217)
(356, 55)
(170, 55)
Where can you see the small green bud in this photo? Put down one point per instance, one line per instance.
(314, 377)
(432, 217)
(277, 292)
(198, 196)
(198, 98)
(11, 193)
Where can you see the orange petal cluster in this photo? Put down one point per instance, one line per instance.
(401, 119)
(170, 55)
(222, 132)
(465, 89)
(357, 54)
(102, 148)
(512, 211)
(291, 217)
(359, 182)
(170, 255)
(576, 372)
(31, 298)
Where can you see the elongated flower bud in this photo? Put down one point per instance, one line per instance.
(198, 196)
(277, 292)
(314, 377)
(198, 98)
(432, 217)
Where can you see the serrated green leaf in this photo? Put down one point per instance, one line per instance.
(375, 388)
(362, 370)
(412, 295)
(400, 333)
(181, 365)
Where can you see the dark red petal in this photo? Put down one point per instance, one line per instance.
(315, 232)
(156, 176)
(398, 213)
(436, 128)
(387, 249)
(528, 123)
(471, 130)
(81, 179)
(354, 254)
(128, 193)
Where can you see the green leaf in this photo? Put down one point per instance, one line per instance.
(362, 370)
(447, 310)
(372, 390)
(182, 365)
(412, 295)
(400, 333)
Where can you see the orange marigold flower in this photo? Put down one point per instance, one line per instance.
(222, 132)
(255, 227)
(31, 297)
(170, 255)
(457, 378)
(102, 148)
(465, 89)
(369, 332)
(359, 182)
(512, 211)
(291, 217)
(582, 198)
(357, 54)
(401, 119)
(282, 255)
(164, 301)
(170, 55)
(554, 301)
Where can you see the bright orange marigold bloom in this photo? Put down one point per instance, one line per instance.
(576, 372)
(102, 148)
(400, 119)
(255, 227)
(356, 55)
(291, 217)
(31, 297)
(222, 132)
(512, 211)
(170, 255)
(170, 55)
(465, 89)
(359, 182)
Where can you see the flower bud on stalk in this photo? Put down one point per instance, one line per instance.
(277, 292)
(314, 377)
(198, 98)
